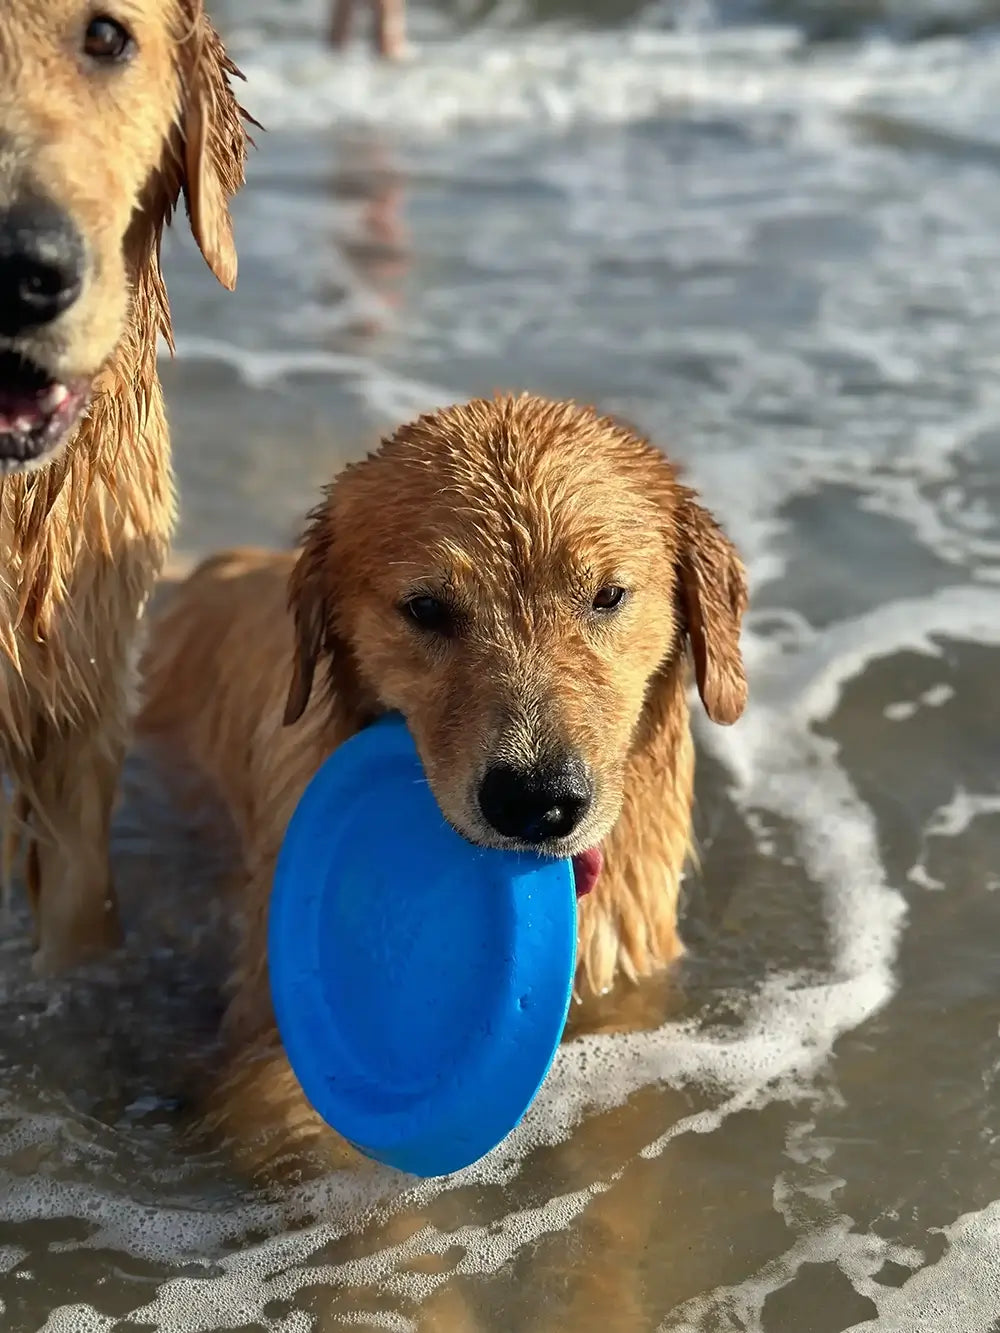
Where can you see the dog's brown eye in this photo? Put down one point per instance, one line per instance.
(107, 41)
(609, 598)
(430, 613)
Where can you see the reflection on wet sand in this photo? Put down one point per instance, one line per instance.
(366, 185)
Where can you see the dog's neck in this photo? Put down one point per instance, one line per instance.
(628, 923)
(103, 483)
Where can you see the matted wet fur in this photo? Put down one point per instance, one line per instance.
(102, 136)
(515, 517)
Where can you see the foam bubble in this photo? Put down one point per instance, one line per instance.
(77, 1319)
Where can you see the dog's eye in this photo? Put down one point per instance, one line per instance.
(107, 41)
(430, 613)
(609, 598)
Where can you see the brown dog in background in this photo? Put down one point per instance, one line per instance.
(106, 117)
(389, 36)
(520, 579)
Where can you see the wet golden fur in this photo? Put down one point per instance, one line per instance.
(517, 511)
(85, 532)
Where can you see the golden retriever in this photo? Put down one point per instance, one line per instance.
(108, 113)
(389, 35)
(520, 579)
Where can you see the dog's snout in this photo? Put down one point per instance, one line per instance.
(536, 804)
(41, 265)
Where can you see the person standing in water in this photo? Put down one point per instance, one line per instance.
(390, 25)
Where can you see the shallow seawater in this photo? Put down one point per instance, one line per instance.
(769, 235)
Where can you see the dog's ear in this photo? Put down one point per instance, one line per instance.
(315, 604)
(309, 603)
(712, 591)
(214, 141)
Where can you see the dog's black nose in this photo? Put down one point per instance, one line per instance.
(41, 265)
(536, 804)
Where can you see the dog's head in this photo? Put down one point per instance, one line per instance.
(107, 111)
(513, 577)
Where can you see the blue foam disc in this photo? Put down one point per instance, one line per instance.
(420, 983)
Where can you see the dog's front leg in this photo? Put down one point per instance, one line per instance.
(70, 791)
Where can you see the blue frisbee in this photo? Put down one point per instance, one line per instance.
(420, 984)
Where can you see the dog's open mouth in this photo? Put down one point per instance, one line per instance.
(586, 869)
(36, 411)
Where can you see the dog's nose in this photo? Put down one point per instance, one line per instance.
(41, 265)
(536, 804)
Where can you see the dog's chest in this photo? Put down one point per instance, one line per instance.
(68, 643)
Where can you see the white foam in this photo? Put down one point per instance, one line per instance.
(858, 1255)
(11, 1255)
(953, 819)
(958, 1294)
(903, 709)
(808, 688)
(77, 1319)
(391, 397)
(563, 78)
(919, 875)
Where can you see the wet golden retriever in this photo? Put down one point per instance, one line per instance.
(108, 112)
(521, 580)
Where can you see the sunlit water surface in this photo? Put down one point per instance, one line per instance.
(770, 235)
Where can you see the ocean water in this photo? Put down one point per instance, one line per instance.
(769, 234)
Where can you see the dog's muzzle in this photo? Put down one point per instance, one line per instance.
(42, 270)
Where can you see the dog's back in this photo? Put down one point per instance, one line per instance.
(227, 624)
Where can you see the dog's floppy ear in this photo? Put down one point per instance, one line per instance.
(712, 590)
(211, 124)
(315, 604)
(308, 601)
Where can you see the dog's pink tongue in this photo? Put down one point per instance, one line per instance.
(586, 868)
